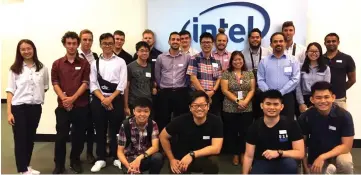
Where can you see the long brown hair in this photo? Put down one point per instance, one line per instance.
(17, 66)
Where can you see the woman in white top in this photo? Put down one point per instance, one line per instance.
(27, 83)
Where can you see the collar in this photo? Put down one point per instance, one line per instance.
(179, 53)
(113, 56)
(332, 113)
(133, 123)
(258, 50)
(283, 56)
(65, 59)
(225, 52)
(24, 64)
(81, 52)
(202, 53)
(292, 45)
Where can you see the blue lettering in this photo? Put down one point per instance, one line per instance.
(233, 32)
(195, 29)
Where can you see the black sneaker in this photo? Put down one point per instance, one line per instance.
(76, 167)
(59, 170)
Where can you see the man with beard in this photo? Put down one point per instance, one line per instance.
(221, 53)
(199, 138)
(296, 50)
(280, 71)
(341, 65)
(170, 75)
(253, 56)
(186, 41)
(273, 143)
(119, 37)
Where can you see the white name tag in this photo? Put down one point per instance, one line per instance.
(77, 68)
(338, 61)
(206, 137)
(332, 128)
(225, 60)
(215, 64)
(154, 60)
(240, 81)
(283, 131)
(180, 65)
(147, 74)
(240, 94)
(288, 69)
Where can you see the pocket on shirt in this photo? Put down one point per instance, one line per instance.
(321, 73)
(38, 77)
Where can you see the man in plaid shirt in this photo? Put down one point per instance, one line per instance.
(140, 152)
(205, 72)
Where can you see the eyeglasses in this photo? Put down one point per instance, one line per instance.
(196, 106)
(206, 42)
(143, 51)
(314, 52)
(107, 44)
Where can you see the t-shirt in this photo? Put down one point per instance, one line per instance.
(187, 136)
(279, 137)
(140, 79)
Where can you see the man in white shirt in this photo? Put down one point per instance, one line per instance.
(108, 79)
(296, 50)
(186, 40)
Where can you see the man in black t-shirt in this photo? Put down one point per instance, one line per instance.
(196, 138)
(273, 143)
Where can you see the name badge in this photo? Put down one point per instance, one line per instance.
(240, 81)
(288, 69)
(225, 60)
(147, 74)
(215, 65)
(283, 137)
(77, 68)
(180, 65)
(206, 137)
(282, 131)
(240, 94)
(154, 60)
(338, 61)
(332, 128)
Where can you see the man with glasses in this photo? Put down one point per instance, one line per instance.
(199, 138)
(205, 72)
(108, 79)
(170, 75)
(341, 65)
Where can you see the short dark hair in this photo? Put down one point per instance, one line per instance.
(142, 102)
(234, 54)
(141, 44)
(206, 35)
(105, 36)
(173, 33)
(196, 94)
(332, 34)
(71, 35)
(119, 32)
(273, 94)
(287, 24)
(185, 32)
(277, 33)
(321, 85)
(255, 30)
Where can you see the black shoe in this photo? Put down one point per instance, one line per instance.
(90, 158)
(59, 170)
(76, 167)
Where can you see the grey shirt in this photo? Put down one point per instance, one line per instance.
(170, 71)
(257, 56)
(308, 79)
(140, 81)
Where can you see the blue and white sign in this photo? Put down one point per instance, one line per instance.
(236, 17)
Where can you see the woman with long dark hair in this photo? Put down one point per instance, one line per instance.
(238, 87)
(27, 83)
(313, 70)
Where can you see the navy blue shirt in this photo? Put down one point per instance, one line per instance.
(325, 132)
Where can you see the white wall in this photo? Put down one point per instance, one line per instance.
(45, 21)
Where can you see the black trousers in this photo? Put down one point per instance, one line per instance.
(235, 129)
(171, 100)
(216, 105)
(256, 104)
(77, 118)
(101, 118)
(289, 106)
(205, 165)
(26, 122)
(90, 132)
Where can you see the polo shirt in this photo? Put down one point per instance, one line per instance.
(340, 65)
(70, 76)
(325, 132)
(126, 56)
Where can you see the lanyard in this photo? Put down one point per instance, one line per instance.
(294, 50)
(238, 79)
(260, 55)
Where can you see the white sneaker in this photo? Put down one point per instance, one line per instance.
(117, 163)
(98, 165)
(33, 171)
(27, 172)
(331, 169)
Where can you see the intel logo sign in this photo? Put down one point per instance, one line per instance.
(238, 18)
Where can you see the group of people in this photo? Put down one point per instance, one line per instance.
(268, 107)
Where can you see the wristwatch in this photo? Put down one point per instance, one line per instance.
(145, 155)
(192, 155)
(280, 152)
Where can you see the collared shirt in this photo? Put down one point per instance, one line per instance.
(29, 86)
(308, 79)
(340, 66)
(300, 52)
(191, 51)
(282, 74)
(126, 56)
(224, 58)
(70, 76)
(207, 70)
(89, 56)
(139, 142)
(257, 56)
(325, 132)
(170, 71)
(113, 70)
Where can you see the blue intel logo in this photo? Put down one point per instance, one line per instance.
(237, 31)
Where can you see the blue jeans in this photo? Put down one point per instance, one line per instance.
(277, 166)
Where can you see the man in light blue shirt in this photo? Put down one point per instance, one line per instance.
(280, 71)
